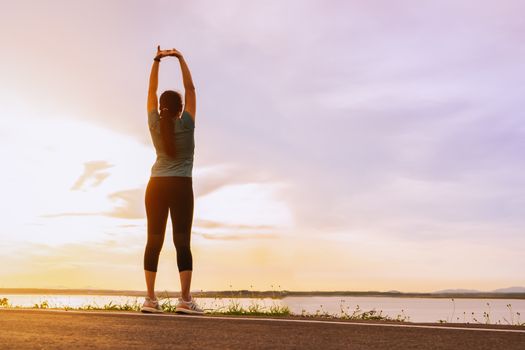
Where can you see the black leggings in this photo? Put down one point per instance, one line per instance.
(173, 194)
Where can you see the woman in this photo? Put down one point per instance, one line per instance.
(170, 186)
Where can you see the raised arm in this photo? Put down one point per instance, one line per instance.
(190, 100)
(153, 84)
(154, 80)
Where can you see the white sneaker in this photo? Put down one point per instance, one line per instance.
(188, 307)
(151, 306)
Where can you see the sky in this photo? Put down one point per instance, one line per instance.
(340, 145)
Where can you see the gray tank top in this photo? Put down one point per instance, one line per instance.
(182, 164)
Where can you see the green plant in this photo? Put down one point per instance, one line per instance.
(358, 314)
(4, 302)
(43, 305)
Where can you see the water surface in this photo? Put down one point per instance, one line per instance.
(504, 311)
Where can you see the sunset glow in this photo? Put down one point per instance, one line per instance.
(339, 145)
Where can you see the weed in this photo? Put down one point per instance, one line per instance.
(258, 307)
(4, 302)
(453, 310)
(43, 305)
(358, 314)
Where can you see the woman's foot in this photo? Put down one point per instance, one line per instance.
(188, 307)
(151, 306)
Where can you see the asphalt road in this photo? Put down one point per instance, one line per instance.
(49, 329)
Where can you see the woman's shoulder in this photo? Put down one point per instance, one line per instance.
(187, 120)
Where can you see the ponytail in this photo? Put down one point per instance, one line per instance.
(171, 105)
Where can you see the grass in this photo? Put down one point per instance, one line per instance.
(233, 308)
(513, 320)
(259, 307)
(358, 314)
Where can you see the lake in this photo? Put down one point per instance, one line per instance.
(504, 311)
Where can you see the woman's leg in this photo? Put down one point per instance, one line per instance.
(185, 283)
(181, 210)
(157, 216)
(150, 283)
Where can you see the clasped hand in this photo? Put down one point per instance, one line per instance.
(165, 53)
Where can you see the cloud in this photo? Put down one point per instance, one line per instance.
(132, 204)
(236, 237)
(211, 177)
(216, 230)
(401, 102)
(210, 224)
(92, 171)
(57, 215)
(398, 121)
(129, 225)
(129, 205)
(74, 265)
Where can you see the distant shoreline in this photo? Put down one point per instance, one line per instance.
(263, 294)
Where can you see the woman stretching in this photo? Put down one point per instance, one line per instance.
(170, 186)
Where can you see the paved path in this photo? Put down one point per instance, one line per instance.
(58, 329)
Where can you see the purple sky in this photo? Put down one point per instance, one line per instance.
(397, 124)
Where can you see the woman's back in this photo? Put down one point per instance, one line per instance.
(182, 163)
